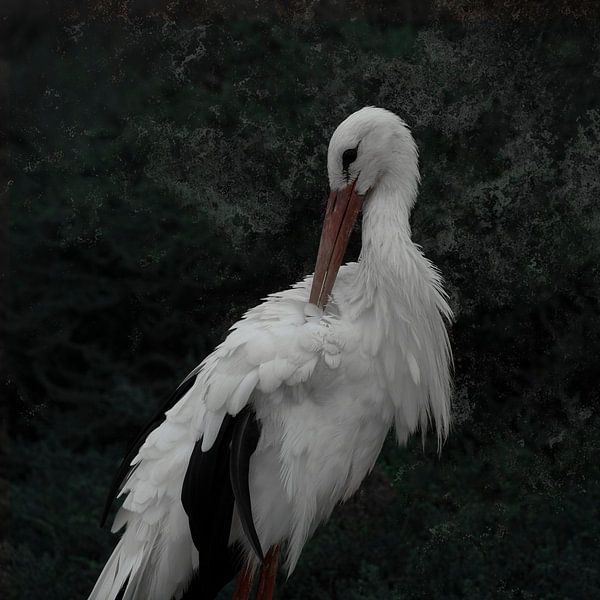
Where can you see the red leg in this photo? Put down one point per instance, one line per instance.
(266, 584)
(243, 587)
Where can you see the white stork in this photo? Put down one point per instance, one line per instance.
(288, 415)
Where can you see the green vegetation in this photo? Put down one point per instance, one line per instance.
(170, 173)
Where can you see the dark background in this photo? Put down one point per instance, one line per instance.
(166, 170)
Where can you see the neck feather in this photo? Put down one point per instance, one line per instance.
(388, 252)
(386, 226)
(386, 233)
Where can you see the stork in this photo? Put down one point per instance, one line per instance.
(288, 415)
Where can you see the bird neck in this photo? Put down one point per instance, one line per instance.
(388, 253)
(386, 227)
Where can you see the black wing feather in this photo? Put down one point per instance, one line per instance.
(243, 444)
(205, 489)
(208, 501)
(155, 421)
(213, 482)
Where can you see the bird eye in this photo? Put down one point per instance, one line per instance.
(348, 157)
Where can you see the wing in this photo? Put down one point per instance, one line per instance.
(126, 464)
(201, 450)
(279, 343)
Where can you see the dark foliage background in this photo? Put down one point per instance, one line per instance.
(167, 170)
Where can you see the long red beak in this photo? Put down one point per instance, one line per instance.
(343, 207)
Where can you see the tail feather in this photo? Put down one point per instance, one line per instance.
(112, 579)
(152, 562)
(139, 572)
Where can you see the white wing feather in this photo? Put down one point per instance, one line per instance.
(275, 344)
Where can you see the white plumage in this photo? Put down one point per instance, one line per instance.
(326, 386)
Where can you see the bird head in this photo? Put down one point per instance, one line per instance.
(372, 148)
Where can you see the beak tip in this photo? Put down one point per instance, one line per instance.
(312, 310)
